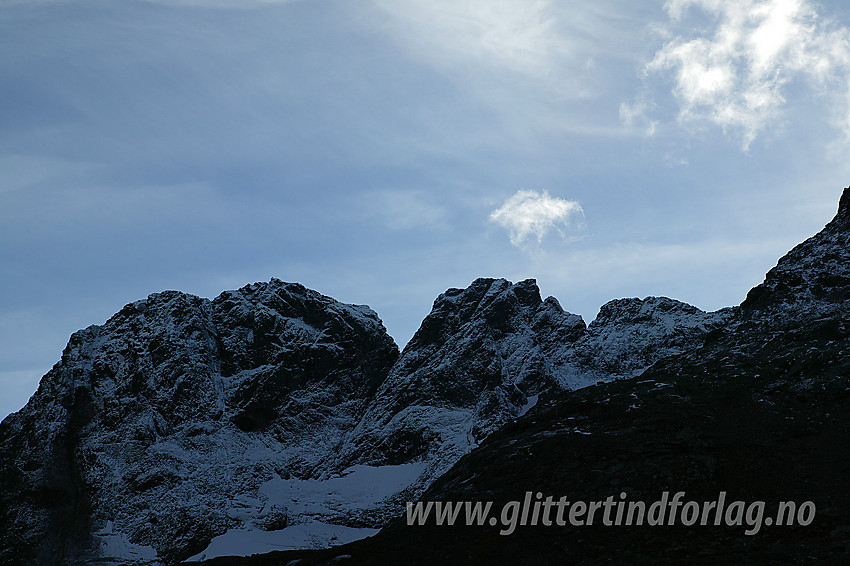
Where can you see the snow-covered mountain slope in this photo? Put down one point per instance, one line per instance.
(485, 353)
(152, 426)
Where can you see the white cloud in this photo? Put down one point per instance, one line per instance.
(737, 72)
(529, 213)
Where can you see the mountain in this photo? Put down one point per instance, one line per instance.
(139, 443)
(183, 422)
(484, 355)
(760, 411)
(276, 417)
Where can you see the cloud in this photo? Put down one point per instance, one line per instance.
(738, 72)
(531, 213)
(526, 60)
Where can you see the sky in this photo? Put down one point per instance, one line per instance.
(382, 151)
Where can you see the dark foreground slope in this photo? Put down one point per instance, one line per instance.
(761, 411)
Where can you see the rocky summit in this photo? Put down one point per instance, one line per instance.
(139, 442)
(276, 417)
(485, 354)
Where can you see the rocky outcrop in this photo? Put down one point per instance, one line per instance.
(791, 330)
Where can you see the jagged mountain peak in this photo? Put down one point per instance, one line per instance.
(814, 276)
(483, 291)
(480, 358)
(154, 423)
(492, 302)
(294, 300)
(493, 321)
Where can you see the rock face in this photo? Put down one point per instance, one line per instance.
(485, 353)
(474, 363)
(184, 419)
(152, 424)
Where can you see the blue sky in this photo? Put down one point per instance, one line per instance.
(383, 151)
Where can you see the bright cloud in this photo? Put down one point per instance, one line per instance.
(736, 73)
(531, 213)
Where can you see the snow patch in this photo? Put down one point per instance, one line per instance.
(314, 504)
(359, 487)
(312, 534)
(532, 401)
(120, 550)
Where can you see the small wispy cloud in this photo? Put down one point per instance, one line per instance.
(736, 72)
(529, 213)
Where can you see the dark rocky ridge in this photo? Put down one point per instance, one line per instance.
(760, 410)
(813, 279)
